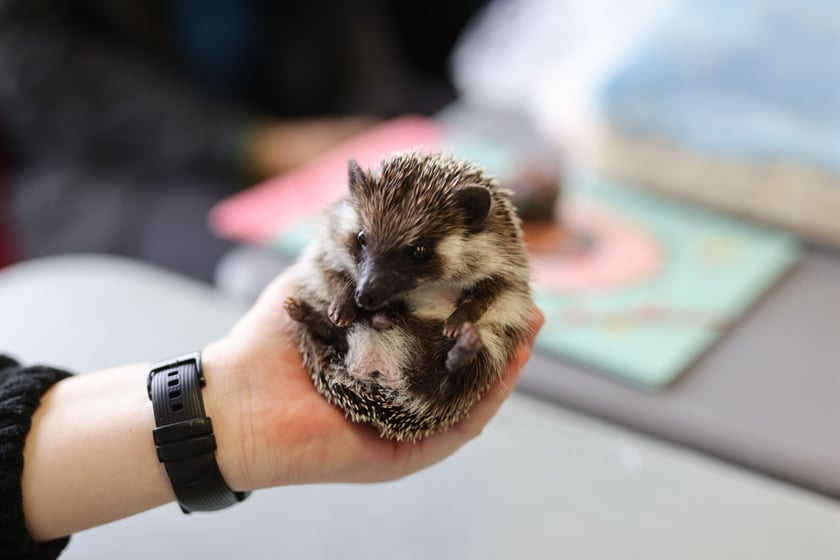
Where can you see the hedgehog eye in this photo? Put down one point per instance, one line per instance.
(418, 252)
(360, 237)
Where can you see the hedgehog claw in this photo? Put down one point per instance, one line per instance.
(342, 313)
(451, 331)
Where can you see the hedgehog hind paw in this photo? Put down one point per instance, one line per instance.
(465, 349)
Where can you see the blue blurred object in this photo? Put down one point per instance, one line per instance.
(753, 79)
(218, 40)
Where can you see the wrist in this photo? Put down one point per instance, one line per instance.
(222, 395)
(264, 436)
(184, 435)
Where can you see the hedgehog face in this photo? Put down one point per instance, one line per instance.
(386, 270)
(405, 213)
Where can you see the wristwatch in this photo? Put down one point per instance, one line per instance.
(184, 435)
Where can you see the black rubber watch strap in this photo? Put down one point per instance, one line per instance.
(184, 435)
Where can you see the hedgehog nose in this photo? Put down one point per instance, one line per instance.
(364, 299)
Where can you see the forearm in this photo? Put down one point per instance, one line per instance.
(89, 456)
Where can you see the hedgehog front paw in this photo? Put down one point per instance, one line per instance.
(453, 324)
(466, 348)
(342, 313)
(296, 309)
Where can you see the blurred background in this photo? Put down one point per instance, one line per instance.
(122, 126)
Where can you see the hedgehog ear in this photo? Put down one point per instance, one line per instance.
(475, 201)
(355, 175)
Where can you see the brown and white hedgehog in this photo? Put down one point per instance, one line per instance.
(413, 294)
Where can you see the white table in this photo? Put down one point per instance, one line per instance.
(541, 482)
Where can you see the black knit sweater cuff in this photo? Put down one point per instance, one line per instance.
(21, 389)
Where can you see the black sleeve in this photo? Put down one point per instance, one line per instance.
(20, 392)
(68, 93)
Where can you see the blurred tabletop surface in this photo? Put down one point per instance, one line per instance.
(540, 482)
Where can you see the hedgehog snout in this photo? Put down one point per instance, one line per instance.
(371, 298)
(365, 300)
(373, 289)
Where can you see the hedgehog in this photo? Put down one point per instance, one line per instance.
(413, 293)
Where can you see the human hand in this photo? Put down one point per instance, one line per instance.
(273, 428)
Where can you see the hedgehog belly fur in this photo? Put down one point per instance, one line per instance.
(380, 356)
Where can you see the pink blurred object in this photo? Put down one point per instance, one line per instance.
(256, 215)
